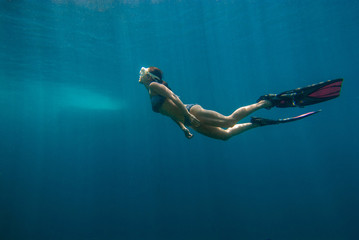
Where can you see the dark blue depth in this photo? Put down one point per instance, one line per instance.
(82, 155)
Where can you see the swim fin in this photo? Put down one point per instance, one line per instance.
(305, 96)
(264, 121)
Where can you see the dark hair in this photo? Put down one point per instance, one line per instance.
(157, 72)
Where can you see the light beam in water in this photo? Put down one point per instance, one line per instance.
(55, 96)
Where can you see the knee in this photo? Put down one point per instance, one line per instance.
(230, 121)
(225, 136)
(222, 135)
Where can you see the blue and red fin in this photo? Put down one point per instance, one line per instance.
(310, 95)
(264, 121)
(291, 119)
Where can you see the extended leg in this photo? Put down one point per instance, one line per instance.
(225, 134)
(212, 118)
(243, 112)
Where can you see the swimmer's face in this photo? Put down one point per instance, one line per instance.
(144, 79)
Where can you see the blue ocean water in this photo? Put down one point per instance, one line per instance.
(82, 156)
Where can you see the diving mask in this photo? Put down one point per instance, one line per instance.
(145, 71)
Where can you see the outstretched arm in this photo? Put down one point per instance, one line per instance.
(166, 92)
(185, 130)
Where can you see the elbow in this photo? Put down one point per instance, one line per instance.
(174, 97)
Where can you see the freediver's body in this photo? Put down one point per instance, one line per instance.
(206, 122)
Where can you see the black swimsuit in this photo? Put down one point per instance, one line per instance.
(157, 101)
(189, 106)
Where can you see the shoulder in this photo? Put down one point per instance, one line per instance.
(160, 89)
(155, 86)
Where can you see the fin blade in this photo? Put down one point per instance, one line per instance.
(330, 90)
(296, 118)
(312, 94)
(265, 121)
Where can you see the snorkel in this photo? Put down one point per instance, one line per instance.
(145, 71)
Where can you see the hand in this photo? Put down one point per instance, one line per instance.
(194, 121)
(187, 133)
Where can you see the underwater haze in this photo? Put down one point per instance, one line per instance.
(83, 157)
